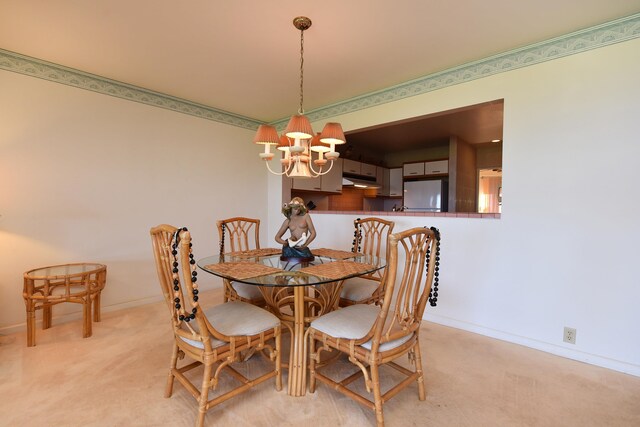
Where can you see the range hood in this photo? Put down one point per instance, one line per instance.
(359, 183)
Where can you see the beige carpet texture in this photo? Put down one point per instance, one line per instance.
(117, 378)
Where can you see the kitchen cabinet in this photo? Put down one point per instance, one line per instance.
(413, 169)
(332, 181)
(395, 182)
(436, 168)
(382, 179)
(368, 170)
(351, 166)
(329, 183)
(307, 184)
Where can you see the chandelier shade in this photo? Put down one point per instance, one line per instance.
(332, 134)
(299, 127)
(266, 134)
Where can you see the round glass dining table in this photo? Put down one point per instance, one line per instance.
(295, 291)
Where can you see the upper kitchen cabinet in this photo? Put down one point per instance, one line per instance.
(413, 169)
(353, 167)
(307, 184)
(395, 182)
(421, 169)
(436, 168)
(382, 180)
(331, 182)
(368, 170)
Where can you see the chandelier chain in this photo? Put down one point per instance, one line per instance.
(301, 110)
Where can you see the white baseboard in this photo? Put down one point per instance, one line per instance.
(75, 315)
(580, 356)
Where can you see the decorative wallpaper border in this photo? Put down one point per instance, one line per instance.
(34, 67)
(602, 35)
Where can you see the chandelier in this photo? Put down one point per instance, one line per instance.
(299, 143)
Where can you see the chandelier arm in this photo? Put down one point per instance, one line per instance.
(319, 172)
(314, 173)
(277, 173)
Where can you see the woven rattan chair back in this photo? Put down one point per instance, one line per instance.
(370, 238)
(412, 290)
(238, 234)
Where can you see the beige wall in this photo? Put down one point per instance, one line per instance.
(524, 277)
(84, 176)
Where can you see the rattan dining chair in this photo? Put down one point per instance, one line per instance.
(373, 336)
(240, 234)
(370, 238)
(212, 337)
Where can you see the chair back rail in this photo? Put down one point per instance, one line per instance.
(238, 234)
(190, 304)
(161, 237)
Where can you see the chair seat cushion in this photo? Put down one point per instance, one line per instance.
(240, 318)
(358, 288)
(247, 291)
(355, 322)
(198, 344)
(351, 322)
(236, 318)
(390, 344)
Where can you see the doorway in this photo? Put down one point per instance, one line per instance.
(490, 190)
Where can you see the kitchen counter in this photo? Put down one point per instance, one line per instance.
(428, 214)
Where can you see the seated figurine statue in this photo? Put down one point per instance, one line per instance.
(301, 231)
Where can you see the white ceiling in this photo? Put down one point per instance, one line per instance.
(242, 56)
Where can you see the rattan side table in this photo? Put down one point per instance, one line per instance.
(45, 287)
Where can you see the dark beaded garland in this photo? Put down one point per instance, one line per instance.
(183, 316)
(223, 227)
(433, 293)
(357, 236)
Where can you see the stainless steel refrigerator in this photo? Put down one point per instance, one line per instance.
(426, 195)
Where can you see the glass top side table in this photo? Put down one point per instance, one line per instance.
(44, 287)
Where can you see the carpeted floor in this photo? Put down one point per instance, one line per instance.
(117, 378)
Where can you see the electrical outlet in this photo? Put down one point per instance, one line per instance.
(569, 335)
